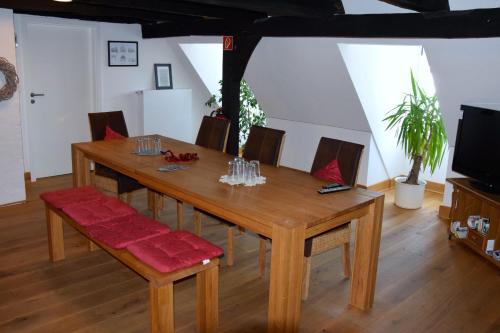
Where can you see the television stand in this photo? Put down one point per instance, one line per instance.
(467, 200)
(485, 187)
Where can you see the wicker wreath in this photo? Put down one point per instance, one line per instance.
(11, 79)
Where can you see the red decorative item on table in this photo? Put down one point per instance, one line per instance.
(187, 157)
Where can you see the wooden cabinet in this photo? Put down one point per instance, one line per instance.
(467, 201)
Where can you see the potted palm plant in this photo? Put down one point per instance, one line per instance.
(421, 133)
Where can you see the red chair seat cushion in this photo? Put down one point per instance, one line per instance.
(110, 134)
(62, 198)
(98, 211)
(330, 172)
(174, 251)
(120, 232)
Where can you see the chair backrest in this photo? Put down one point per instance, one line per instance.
(213, 133)
(99, 120)
(347, 154)
(264, 144)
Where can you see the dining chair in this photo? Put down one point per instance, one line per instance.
(213, 134)
(346, 156)
(263, 144)
(108, 179)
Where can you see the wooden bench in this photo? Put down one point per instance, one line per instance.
(160, 284)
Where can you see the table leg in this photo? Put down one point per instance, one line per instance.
(161, 306)
(207, 300)
(366, 250)
(81, 167)
(285, 289)
(55, 235)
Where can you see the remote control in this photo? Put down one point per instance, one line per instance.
(332, 185)
(334, 189)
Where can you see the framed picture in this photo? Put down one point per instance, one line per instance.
(163, 76)
(123, 54)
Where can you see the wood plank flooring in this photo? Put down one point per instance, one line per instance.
(425, 283)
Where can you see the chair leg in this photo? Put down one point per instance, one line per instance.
(262, 257)
(207, 300)
(230, 246)
(346, 260)
(180, 215)
(161, 303)
(306, 278)
(197, 222)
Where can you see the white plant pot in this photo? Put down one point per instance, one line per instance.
(409, 196)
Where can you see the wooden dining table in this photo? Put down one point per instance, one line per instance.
(287, 208)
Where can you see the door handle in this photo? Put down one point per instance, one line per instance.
(36, 95)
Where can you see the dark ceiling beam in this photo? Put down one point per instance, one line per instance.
(420, 5)
(110, 19)
(89, 12)
(311, 8)
(178, 7)
(475, 23)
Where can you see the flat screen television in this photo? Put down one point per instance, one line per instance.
(477, 147)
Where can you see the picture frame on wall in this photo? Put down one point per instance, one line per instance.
(123, 54)
(163, 76)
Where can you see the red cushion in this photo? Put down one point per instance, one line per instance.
(173, 251)
(330, 172)
(120, 232)
(62, 198)
(101, 210)
(110, 134)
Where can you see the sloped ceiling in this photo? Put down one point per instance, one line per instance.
(305, 80)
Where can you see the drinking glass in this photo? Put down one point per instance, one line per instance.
(240, 169)
(139, 145)
(250, 174)
(157, 145)
(256, 163)
(231, 171)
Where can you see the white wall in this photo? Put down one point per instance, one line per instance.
(381, 76)
(120, 85)
(305, 80)
(301, 141)
(11, 151)
(206, 58)
(118, 88)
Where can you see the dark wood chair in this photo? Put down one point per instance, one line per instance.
(212, 134)
(348, 156)
(105, 178)
(263, 144)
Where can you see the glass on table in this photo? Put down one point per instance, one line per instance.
(250, 174)
(231, 171)
(139, 147)
(256, 163)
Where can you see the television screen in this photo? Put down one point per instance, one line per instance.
(477, 147)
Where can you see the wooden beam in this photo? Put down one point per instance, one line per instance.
(477, 23)
(178, 7)
(90, 12)
(233, 68)
(317, 8)
(420, 5)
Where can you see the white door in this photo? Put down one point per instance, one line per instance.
(57, 64)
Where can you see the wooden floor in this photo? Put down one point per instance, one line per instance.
(425, 283)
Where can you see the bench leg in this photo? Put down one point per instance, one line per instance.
(55, 235)
(207, 300)
(161, 303)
